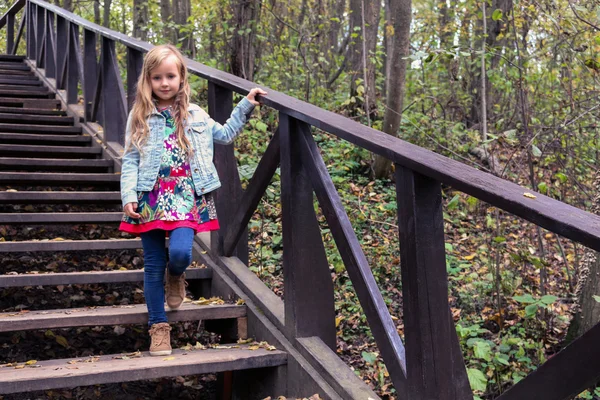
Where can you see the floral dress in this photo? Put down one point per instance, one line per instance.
(172, 203)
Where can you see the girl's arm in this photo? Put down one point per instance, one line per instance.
(224, 134)
(129, 169)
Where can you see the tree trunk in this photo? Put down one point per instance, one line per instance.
(140, 19)
(246, 14)
(494, 29)
(587, 309)
(106, 17)
(68, 5)
(362, 50)
(402, 14)
(388, 44)
(166, 13)
(97, 12)
(181, 12)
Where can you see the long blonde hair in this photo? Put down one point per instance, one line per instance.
(144, 103)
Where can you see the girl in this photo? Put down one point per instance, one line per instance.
(167, 176)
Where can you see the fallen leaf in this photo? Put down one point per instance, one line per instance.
(529, 195)
(31, 362)
(168, 358)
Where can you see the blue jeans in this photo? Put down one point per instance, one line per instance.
(155, 262)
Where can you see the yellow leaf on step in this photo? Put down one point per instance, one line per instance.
(31, 362)
(168, 358)
(529, 195)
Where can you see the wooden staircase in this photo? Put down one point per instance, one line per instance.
(46, 159)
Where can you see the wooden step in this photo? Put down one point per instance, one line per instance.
(51, 104)
(13, 65)
(32, 197)
(25, 81)
(50, 140)
(70, 245)
(112, 368)
(49, 151)
(26, 93)
(36, 120)
(30, 111)
(28, 88)
(57, 179)
(60, 218)
(92, 277)
(39, 129)
(117, 315)
(52, 164)
(11, 58)
(13, 72)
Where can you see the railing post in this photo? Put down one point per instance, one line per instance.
(40, 21)
(71, 63)
(50, 63)
(62, 49)
(227, 198)
(90, 66)
(10, 32)
(308, 287)
(135, 60)
(434, 363)
(30, 32)
(115, 105)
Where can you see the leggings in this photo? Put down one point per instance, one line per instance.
(155, 262)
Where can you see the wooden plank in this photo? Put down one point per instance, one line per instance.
(34, 111)
(28, 88)
(51, 164)
(34, 197)
(22, 80)
(370, 297)
(36, 119)
(24, 19)
(11, 57)
(434, 363)
(16, 66)
(33, 128)
(308, 288)
(73, 64)
(60, 218)
(12, 72)
(106, 369)
(565, 375)
(26, 94)
(337, 373)
(49, 151)
(115, 103)
(61, 179)
(27, 138)
(30, 103)
(82, 278)
(220, 105)
(70, 245)
(256, 188)
(116, 315)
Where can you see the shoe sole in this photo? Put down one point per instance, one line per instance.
(161, 353)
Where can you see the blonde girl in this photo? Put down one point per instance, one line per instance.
(167, 178)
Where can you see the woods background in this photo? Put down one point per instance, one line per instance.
(507, 86)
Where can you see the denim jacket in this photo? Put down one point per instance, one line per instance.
(140, 170)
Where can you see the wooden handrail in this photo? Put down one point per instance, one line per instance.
(15, 8)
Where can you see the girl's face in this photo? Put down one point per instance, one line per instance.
(166, 81)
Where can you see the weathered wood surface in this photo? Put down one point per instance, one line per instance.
(100, 277)
(52, 164)
(106, 369)
(308, 285)
(115, 315)
(50, 104)
(61, 218)
(256, 188)
(568, 373)
(434, 365)
(33, 128)
(59, 179)
(369, 295)
(32, 111)
(51, 140)
(15, 8)
(70, 245)
(19, 118)
(59, 197)
(39, 151)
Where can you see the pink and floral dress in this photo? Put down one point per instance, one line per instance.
(172, 203)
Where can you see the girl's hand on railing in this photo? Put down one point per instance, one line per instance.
(252, 95)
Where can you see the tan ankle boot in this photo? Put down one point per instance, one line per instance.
(160, 335)
(175, 290)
